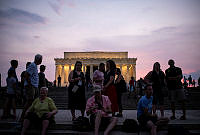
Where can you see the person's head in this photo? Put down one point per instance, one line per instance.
(78, 66)
(117, 71)
(43, 92)
(42, 68)
(156, 66)
(148, 90)
(110, 65)
(132, 78)
(38, 59)
(27, 64)
(171, 63)
(14, 63)
(97, 90)
(102, 67)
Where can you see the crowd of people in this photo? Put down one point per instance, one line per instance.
(102, 107)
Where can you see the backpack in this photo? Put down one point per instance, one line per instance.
(81, 124)
(130, 126)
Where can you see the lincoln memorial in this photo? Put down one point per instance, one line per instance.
(91, 60)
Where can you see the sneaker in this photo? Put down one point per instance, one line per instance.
(183, 118)
(172, 118)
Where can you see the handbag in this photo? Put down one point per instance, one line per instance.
(75, 88)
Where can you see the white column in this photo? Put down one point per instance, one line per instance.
(127, 75)
(84, 69)
(134, 71)
(91, 72)
(65, 74)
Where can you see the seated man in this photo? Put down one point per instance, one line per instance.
(144, 112)
(99, 108)
(42, 111)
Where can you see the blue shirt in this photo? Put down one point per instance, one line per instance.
(144, 102)
(33, 72)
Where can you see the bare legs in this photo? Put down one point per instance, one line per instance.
(152, 127)
(98, 122)
(161, 110)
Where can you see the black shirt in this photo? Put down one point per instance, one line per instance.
(173, 72)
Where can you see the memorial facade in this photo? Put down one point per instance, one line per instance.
(91, 61)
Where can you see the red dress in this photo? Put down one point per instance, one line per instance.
(110, 91)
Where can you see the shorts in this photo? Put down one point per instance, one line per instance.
(177, 95)
(105, 121)
(143, 119)
(158, 99)
(31, 92)
(37, 121)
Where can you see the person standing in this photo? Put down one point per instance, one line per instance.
(174, 84)
(119, 85)
(22, 83)
(42, 79)
(98, 76)
(157, 78)
(76, 90)
(31, 83)
(190, 80)
(59, 81)
(109, 87)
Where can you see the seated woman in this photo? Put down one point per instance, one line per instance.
(42, 111)
(144, 112)
(99, 108)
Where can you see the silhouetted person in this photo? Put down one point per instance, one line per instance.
(157, 78)
(22, 84)
(190, 80)
(199, 81)
(193, 82)
(42, 79)
(185, 84)
(132, 83)
(31, 83)
(59, 81)
(176, 92)
(76, 90)
(14, 65)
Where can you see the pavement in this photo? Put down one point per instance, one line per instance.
(63, 117)
(192, 116)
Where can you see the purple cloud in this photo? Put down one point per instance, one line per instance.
(165, 30)
(22, 16)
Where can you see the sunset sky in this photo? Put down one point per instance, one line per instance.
(150, 30)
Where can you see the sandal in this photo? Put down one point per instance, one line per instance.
(172, 118)
(183, 118)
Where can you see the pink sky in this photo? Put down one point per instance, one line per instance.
(149, 30)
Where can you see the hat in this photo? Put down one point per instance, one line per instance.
(96, 88)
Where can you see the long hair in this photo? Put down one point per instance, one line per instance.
(156, 64)
(77, 62)
(112, 64)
